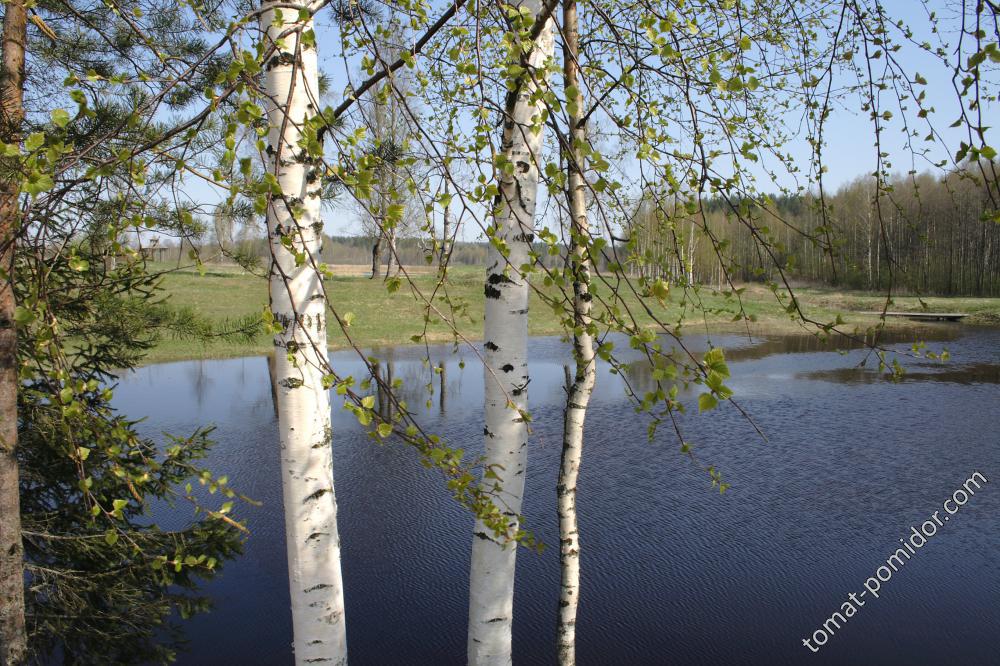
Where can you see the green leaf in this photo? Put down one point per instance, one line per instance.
(384, 430)
(368, 401)
(715, 360)
(60, 117)
(111, 537)
(394, 214)
(23, 316)
(660, 289)
(38, 183)
(34, 141)
(706, 401)
(79, 265)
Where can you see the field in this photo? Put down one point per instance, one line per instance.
(380, 318)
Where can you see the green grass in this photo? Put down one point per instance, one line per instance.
(381, 318)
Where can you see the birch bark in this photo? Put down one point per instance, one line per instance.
(491, 589)
(299, 305)
(583, 346)
(446, 231)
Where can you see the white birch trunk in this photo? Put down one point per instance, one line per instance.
(446, 232)
(491, 588)
(583, 349)
(391, 267)
(691, 247)
(299, 305)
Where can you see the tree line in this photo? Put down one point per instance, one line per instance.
(924, 234)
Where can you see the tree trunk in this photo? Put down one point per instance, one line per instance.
(583, 347)
(868, 232)
(390, 260)
(691, 247)
(491, 593)
(299, 305)
(446, 232)
(377, 257)
(13, 639)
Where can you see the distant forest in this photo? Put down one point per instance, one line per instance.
(923, 235)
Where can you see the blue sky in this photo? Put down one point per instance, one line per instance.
(849, 151)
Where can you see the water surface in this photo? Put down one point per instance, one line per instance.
(673, 572)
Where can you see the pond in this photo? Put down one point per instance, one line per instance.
(673, 572)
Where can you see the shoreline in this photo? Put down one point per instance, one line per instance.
(188, 351)
(380, 318)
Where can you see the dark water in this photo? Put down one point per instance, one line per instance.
(672, 571)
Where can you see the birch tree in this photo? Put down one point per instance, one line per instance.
(298, 306)
(582, 386)
(387, 149)
(491, 594)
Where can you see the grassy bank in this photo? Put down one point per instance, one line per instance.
(380, 318)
